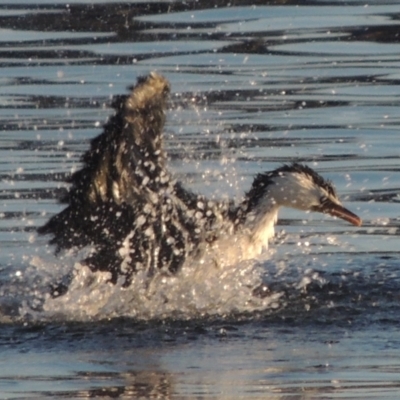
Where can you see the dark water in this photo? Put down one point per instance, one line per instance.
(255, 84)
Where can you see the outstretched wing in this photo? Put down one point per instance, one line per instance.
(120, 201)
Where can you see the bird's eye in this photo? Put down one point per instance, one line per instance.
(323, 199)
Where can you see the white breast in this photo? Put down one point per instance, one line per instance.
(247, 243)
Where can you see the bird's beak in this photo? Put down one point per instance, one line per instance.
(337, 210)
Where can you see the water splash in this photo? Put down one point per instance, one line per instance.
(198, 290)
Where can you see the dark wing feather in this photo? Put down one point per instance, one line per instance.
(122, 201)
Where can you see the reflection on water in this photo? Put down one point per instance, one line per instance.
(255, 84)
(231, 360)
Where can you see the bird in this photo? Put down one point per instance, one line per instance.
(134, 215)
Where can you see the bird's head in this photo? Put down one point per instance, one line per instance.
(297, 186)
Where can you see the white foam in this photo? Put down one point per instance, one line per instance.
(198, 290)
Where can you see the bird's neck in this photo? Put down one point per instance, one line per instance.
(259, 226)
